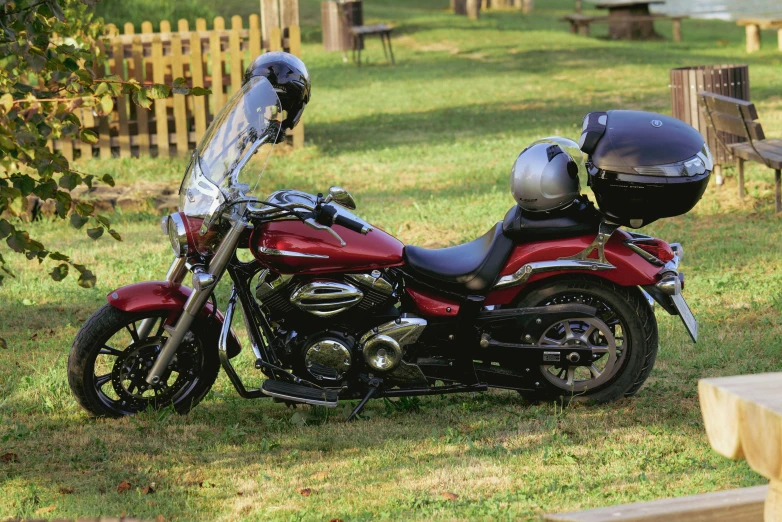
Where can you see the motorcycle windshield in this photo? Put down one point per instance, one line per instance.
(229, 161)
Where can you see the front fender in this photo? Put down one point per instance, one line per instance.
(152, 296)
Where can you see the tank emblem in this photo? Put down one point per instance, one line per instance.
(657, 123)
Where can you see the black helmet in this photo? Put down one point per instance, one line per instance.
(290, 79)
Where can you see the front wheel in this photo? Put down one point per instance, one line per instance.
(624, 333)
(113, 352)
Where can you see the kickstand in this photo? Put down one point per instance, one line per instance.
(374, 386)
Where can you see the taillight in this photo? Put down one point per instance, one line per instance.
(657, 248)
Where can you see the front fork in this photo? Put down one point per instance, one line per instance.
(204, 282)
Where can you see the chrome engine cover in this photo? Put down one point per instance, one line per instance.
(383, 346)
(326, 298)
(328, 359)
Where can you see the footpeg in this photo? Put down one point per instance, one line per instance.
(295, 393)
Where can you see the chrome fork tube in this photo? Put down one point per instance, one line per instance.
(203, 284)
(176, 273)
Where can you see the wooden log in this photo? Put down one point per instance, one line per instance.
(161, 107)
(753, 37)
(527, 6)
(744, 504)
(289, 15)
(460, 7)
(180, 107)
(200, 103)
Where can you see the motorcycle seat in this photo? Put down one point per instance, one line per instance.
(468, 268)
(580, 218)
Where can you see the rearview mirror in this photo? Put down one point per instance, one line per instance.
(341, 197)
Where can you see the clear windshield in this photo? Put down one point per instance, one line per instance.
(221, 168)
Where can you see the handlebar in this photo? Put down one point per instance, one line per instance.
(351, 224)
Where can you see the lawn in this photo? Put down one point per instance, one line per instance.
(425, 147)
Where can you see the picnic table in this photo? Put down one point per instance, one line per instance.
(743, 418)
(630, 20)
(752, 26)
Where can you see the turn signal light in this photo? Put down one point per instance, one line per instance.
(657, 248)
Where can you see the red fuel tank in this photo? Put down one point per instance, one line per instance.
(293, 247)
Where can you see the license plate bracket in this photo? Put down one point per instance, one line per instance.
(687, 317)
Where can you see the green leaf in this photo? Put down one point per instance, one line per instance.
(103, 88)
(108, 180)
(103, 220)
(18, 241)
(59, 272)
(87, 279)
(88, 136)
(69, 180)
(6, 229)
(107, 104)
(6, 102)
(141, 99)
(85, 209)
(59, 257)
(159, 91)
(115, 234)
(180, 86)
(95, 233)
(200, 91)
(46, 189)
(24, 183)
(78, 221)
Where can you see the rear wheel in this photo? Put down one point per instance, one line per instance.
(624, 333)
(113, 352)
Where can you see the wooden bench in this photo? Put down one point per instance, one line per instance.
(737, 118)
(752, 26)
(580, 23)
(745, 504)
(360, 31)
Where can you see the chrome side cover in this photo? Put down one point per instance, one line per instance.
(326, 298)
(374, 280)
(383, 348)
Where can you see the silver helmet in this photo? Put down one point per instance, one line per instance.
(545, 175)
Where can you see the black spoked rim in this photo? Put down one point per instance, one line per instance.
(119, 367)
(609, 335)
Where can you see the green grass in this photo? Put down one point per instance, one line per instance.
(425, 147)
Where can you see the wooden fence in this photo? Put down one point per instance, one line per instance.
(215, 59)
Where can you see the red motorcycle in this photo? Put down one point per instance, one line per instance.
(553, 303)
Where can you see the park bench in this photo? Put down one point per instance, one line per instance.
(361, 31)
(580, 23)
(752, 26)
(737, 118)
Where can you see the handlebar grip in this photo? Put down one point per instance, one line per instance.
(351, 224)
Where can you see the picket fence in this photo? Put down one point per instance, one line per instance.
(215, 59)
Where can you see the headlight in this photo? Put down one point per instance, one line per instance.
(177, 234)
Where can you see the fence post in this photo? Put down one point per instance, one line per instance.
(235, 46)
(270, 19)
(200, 103)
(217, 64)
(180, 106)
(161, 109)
(121, 101)
(255, 36)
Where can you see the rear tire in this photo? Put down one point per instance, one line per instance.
(626, 312)
(102, 363)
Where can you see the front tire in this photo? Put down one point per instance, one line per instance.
(632, 336)
(109, 361)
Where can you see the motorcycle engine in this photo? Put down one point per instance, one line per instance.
(320, 319)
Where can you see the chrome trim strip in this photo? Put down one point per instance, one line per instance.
(288, 253)
(525, 272)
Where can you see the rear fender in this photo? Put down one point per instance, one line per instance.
(152, 296)
(631, 269)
